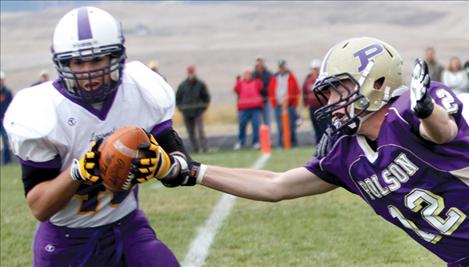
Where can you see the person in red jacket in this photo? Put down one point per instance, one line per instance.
(284, 87)
(310, 101)
(250, 106)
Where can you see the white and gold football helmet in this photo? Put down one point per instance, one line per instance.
(374, 67)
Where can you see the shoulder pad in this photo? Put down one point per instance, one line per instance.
(28, 121)
(154, 88)
(31, 113)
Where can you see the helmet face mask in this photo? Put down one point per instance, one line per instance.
(341, 112)
(74, 79)
(362, 74)
(85, 34)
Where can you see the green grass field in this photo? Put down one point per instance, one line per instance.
(334, 229)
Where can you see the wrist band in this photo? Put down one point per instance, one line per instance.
(426, 108)
(201, 173)
(75, 171)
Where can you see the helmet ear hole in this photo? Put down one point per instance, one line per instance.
(378, 83)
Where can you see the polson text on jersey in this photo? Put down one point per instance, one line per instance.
(397, 172)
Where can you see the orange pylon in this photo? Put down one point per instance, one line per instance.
(264, 133)
(285, 124)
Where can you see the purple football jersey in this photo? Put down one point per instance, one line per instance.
(415, 184)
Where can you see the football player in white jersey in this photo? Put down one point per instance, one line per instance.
(53, 127)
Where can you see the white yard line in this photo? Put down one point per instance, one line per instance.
(200, 245)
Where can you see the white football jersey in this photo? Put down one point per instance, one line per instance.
(45, 125)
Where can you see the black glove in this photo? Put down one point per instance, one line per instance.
(187, 175)
(421, 102)
(326, 143)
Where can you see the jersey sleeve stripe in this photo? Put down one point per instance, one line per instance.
(51, 164)
(161, 127)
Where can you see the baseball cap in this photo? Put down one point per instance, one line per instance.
(282, 62)
(190, 69)
(315, 63)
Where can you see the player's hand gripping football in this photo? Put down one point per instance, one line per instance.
(421, 102)
(86, 169)
(155, 163)
(171, 170)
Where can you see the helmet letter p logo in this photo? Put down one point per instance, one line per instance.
(367, 53)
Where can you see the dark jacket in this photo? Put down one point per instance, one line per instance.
(309, 99)
(192, 97)
(265, 77)
(5, 99)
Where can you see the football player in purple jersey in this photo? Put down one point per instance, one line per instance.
(405, 151)
(53, 125)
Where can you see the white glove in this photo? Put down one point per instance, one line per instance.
(421, 102)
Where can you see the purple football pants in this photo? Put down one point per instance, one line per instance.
(128, 242)
(460, 263)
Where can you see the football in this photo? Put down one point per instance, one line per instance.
(117, 152)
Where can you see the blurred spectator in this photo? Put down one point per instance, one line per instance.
(456, 77)
(434, 68)
(309, 99)
(43, 77)
(192, 99)
(284, 87)
(155, 66)
(250, 105)
(261, 72)
(466, 67)
(5, 99)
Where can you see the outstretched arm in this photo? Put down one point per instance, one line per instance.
(265, 185)
(436, 125)
(248, 183)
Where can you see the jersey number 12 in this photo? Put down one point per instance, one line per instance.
(430, 212)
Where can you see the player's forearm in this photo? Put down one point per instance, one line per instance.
(438, 127)
(265, 185)
(246, 183)
(48, 197)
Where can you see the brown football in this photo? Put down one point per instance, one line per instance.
(117, 153)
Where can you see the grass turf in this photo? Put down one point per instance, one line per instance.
(334, 229)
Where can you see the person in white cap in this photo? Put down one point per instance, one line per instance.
(309, 99)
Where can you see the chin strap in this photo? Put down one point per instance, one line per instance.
(361, 120)
(355, 126)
